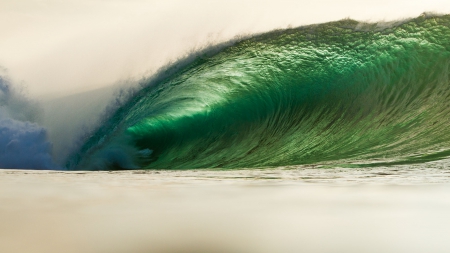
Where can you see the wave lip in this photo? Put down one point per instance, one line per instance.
(340, 92)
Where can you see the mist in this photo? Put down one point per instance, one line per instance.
(60, 48)
(23, 143)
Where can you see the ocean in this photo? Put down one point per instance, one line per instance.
(331, 137)
(348, 93)
(295, 209)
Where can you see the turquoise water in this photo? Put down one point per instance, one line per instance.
(343, 93)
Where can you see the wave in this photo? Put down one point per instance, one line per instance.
(343, 92)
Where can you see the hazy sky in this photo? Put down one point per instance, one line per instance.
(58, 47)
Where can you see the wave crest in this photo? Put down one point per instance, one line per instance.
(329, 93)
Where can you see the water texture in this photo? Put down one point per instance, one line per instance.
(342, 93)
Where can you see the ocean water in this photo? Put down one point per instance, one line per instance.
(345, 92)
(295, 209)
(323, 138)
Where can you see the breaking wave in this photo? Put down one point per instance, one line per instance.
(336, 93)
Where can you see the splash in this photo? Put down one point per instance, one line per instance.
(23, 143)
(336, 93)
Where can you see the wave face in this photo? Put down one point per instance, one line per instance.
(337, 93)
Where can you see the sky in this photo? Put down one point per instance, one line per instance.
(55, 48)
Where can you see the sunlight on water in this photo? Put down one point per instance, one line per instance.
(324, 138)
(288, 209)
(344, 90)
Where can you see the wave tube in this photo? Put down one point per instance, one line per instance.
(336, 93)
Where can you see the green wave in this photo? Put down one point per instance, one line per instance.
(336, 93)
